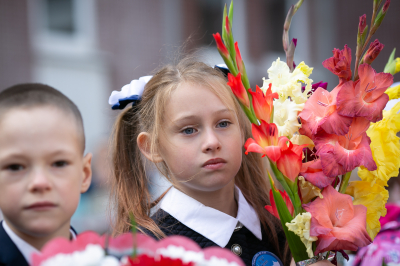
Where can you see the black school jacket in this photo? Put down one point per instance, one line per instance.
(9, 253)
(250, 244)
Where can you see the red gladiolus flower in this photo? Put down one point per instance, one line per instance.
(239, 60)
(263, 103)
(337, 223)
(373, 51)
(145, 260)
(367, 97)
(273, 209)
(340, 64)
(265, 141)
(320, 113)
(341, 154)
(238, 89)
(312, 172)
(280, 150)
(220, 46)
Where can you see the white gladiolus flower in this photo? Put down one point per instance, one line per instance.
(285, 117)
(288, 84)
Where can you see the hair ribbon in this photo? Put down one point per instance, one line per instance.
(130, 93)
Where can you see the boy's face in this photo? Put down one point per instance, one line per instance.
(42, 170)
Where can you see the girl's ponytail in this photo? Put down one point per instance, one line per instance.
(130, 192)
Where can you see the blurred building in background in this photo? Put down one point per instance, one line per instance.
(87, 48)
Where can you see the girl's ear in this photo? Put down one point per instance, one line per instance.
(143, 141)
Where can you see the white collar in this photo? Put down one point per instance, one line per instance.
(211, 223)
(26, 249)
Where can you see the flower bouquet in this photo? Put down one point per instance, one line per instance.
(314, 139)
(90, 249)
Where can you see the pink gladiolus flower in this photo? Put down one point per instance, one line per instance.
(340, 64)
(238, 89)
(373, 51)
(362, 24)
(365, 98)
(337, 223)
(221, 46)
(280, 150)
(341, 154)
(320, 113)
(312, 172)
(263, 103)
(273, 209)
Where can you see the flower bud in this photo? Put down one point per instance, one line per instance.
(221, 47)
(373, 51)
(362, 24)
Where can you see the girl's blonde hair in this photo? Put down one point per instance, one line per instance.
(130, 183)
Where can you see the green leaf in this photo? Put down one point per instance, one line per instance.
(297, 247)
(133, 230)
(391, 64)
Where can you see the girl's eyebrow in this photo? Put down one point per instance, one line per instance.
(190, 117)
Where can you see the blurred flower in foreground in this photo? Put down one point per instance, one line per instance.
(300, 225)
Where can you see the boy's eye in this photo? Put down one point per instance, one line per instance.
(60, 164)
(188, 131)
(15, 167)
(224, 124)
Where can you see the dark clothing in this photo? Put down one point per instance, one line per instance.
(9, 253)
(249, 244)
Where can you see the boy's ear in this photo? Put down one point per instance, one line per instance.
(87, 172)
(143, 142)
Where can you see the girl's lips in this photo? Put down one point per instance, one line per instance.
(38, 206)
(214, 164)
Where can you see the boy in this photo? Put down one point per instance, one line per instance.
(42, 169)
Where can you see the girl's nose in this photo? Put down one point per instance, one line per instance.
(211, 141)
(40, 181)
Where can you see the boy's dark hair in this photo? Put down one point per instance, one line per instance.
(30, 95)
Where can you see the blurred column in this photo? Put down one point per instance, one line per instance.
(15, 53)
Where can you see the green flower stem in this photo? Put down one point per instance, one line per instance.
(249, 113)
(345, 182)
(293, 195)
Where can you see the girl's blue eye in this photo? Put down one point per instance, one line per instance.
(188, 131)
(223, 124)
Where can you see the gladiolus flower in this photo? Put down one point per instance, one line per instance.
(239, 60)
(385, 147)
(341, 154)
(367, 97)
(263, 103)
(286, 117)
(308, 191)
(280, 150)
(288, 84)
(337, 223)
(221, 47)
(315, 86)
(238, 89)
(373, 51)
(273, 209)
(393, 92)
(313, 173)
(320, 113)
(374, 197)
(265, 140)
(300, 225)
(362, 24)
(340, 64)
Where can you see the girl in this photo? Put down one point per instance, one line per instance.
(189, 124)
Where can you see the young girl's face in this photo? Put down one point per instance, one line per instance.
(202, 141)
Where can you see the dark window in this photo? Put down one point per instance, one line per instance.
(60, 16)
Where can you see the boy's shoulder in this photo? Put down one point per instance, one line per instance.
(9, 253)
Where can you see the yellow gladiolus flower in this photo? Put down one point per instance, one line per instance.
(374, 198)
(308, 191)
(385, 147)
(305, 69)
(397, 65)
(393, 92)
(300, 225)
